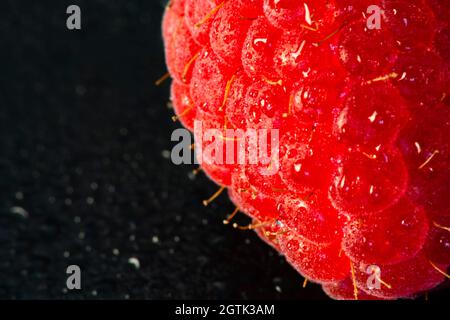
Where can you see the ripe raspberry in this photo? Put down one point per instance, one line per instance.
(363, 119)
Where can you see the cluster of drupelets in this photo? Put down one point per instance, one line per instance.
(364, 125)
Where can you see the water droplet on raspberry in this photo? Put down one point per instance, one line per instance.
(262, 107)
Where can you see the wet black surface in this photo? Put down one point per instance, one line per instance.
(83, 130)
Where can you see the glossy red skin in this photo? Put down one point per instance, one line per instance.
(363, 114)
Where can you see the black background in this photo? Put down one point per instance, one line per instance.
(83, 130)
(82, 134)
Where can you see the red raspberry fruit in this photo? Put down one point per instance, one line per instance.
(362, 179)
